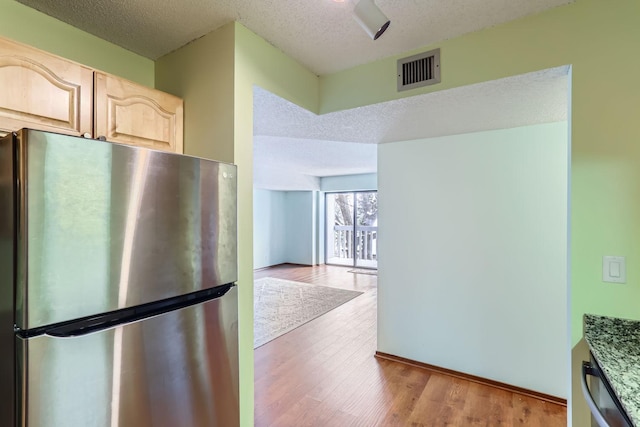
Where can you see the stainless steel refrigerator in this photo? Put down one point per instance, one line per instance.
(118, 304)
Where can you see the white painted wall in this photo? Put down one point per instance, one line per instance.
(282, 231)
(283, 179)
(473, 243)
(300, 236)
(285, 227)
(269, 228)
(358, 182)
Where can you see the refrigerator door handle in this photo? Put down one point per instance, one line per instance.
(93, 324)
(587, 369)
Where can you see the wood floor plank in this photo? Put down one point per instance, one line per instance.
(411, 384)
(369, 397)
(317, 373)
(324, 373)
(442, 402)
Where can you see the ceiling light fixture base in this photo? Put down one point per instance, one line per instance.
(371, 18)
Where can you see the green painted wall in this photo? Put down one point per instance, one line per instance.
(599, 39)
(202, 74)
(28, 26)
(541, 41)
(605, 129)
(261, 64)
(216, 75)
(257, 63)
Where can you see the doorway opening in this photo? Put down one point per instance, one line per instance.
(351, 232)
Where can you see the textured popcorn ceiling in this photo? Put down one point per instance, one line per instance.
(320, 34)
(282, 163)
(292, 146)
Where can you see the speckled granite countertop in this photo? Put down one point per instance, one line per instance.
(615, 344)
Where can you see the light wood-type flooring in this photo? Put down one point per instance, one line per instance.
(324, 373)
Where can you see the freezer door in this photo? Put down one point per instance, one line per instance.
(104, 226)
(176, 369)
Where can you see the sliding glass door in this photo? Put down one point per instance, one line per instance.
(339, 228)
(366, 229)
(352, 229)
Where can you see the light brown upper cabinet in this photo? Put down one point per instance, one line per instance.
(43, 91)
(129, 113)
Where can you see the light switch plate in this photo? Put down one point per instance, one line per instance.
(614, 269)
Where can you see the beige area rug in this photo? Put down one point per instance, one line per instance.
(363, 271)
(280, 306)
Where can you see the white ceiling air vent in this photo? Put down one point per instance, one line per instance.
(419, 70)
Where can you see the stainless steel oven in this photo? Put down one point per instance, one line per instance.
(606, 410)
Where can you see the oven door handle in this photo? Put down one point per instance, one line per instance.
(587, 369)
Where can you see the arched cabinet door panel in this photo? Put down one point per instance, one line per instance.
(129, 113)
(42, 91)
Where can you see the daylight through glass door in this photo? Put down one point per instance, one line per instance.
(352, 229)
